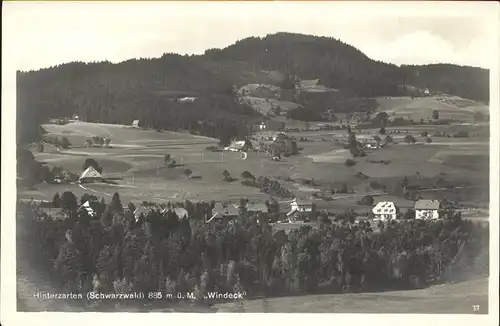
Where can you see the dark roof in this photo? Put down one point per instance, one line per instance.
(225, 210)
(427, 204)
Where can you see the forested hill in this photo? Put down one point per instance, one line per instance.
(147, 89)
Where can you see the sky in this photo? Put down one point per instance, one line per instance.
(43, 34)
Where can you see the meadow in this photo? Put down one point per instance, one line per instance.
(136, 161)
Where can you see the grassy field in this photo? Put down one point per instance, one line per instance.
(449, 107)
(137, 156)
(121, 135)
(444, 299)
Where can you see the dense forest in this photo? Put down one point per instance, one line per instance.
(148, 89)
(113, 252)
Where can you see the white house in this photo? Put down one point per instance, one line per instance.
(187, 100)
(385, 211)
(242, 145)
(427, 209)
(86, 207)
(235, 146)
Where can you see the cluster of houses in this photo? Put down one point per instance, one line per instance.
(300, 211)
(223, 212)
(425, 209)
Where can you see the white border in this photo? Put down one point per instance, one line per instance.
(9, 316)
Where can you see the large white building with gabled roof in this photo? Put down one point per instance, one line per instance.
(385, 211)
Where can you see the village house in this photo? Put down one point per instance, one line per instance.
(223, 212)
(371, 144)
(427, 209)
(141, 210)
(280, 136)
(300, 210)
(86, 207)
(187, 100)
(385, 211)
(242, 145)
(75, 118)
(90, 175)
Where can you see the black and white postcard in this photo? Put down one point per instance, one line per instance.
(320, 162)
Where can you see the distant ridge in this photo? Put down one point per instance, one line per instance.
(147, 89)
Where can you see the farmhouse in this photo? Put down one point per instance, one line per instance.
(385, 211)
(86, 207)
(90, 175)
(223, 212)
(300, 209)
(280, 136)
(141, 210)
(186, 100)
(371, 144)
(242, 145)
(75, 118)
(427, 209)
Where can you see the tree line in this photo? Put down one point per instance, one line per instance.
(147, 89)
(114, 252)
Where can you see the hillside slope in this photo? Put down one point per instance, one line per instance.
(308, 70)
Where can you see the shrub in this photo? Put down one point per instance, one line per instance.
(409, 139)
(65, 143)
(93, 163)
(56, 200)
(376, 185)
(461, 134)
(350, 162)
(366, 200)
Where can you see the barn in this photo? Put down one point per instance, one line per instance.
(90, 175)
